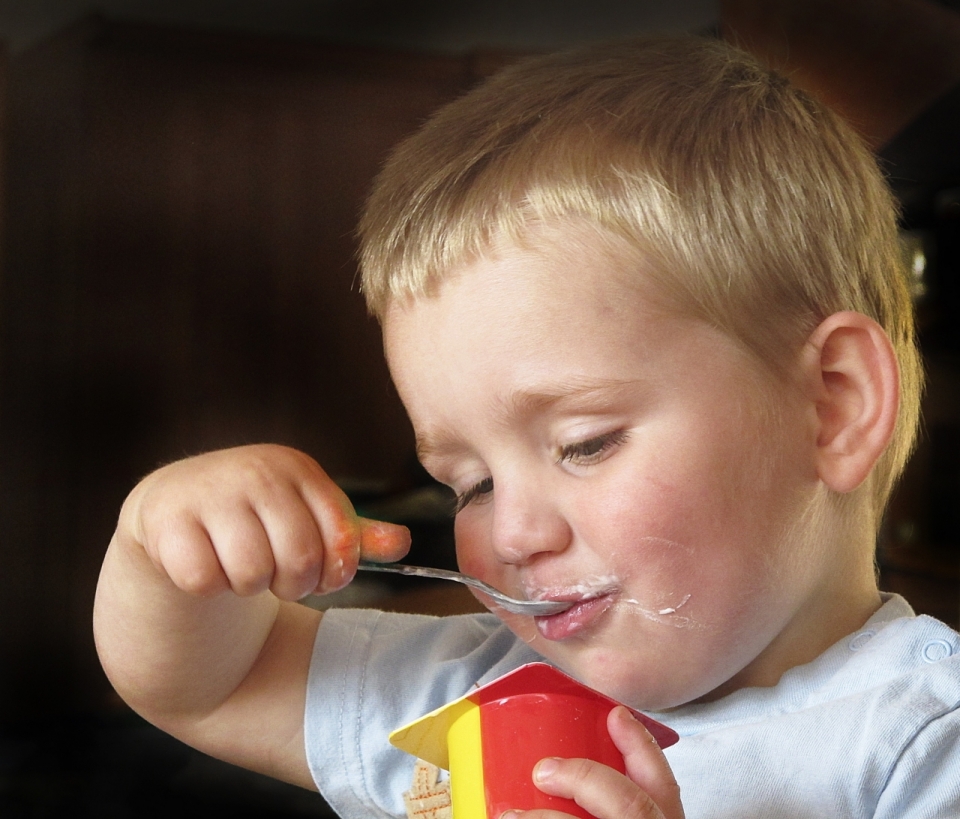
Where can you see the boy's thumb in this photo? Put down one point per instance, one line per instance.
(382, 541)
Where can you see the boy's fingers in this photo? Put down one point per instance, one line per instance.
(374, 539)
(275, 520)
(648, 791)
(337, 524)
(243, 549)
(645, 763)
(293, 536)
(186, 555)
(598, 789)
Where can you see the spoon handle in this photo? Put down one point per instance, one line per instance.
(424, 571)
(529, 607)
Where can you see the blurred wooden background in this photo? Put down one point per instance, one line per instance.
(179, 276)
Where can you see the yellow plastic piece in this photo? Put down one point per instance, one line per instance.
(467, 796)
(426, 738)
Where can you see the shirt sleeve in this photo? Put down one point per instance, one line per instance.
(925, 781)
(372, 672)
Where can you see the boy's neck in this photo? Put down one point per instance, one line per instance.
(806, 645)
(847, 597)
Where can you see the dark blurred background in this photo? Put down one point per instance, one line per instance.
(179, 185)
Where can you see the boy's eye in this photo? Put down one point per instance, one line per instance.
(592, 450)
(475, 492)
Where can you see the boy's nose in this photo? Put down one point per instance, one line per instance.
(525, 526)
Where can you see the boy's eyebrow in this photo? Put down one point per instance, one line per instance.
(523, 402)
(433, 446)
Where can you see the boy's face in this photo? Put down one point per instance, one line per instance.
(622, 456)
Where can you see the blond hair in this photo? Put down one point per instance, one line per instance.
(757, 209)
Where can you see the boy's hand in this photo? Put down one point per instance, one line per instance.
(648, 791)
(251, 519)
(227, 672)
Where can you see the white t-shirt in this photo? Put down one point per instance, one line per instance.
(871, 728)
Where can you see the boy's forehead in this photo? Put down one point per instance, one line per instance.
(521, 312)
(560, 286)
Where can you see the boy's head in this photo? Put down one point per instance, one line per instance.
(749, 205)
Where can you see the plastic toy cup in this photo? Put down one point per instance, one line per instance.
(491, 739)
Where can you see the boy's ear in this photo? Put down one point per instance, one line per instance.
(856, 385)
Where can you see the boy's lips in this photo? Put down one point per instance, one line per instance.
(586, 609)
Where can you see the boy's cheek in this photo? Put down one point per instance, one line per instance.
(470, 556)
(475, 558)
(469, 563)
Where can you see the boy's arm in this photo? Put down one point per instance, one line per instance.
(212, 672)
(194, 618)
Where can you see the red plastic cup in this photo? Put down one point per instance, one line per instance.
(502, 730)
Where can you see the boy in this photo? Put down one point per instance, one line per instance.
(645, 307)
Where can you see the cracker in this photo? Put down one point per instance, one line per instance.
(428, 797)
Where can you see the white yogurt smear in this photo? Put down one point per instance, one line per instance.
(587, 588)
(668, 615)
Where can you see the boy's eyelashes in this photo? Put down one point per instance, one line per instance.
(476, 491)
(583, 453)
(592, 450)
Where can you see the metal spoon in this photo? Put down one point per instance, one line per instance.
(532, 608)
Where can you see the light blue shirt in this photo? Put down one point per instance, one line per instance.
(871, 728)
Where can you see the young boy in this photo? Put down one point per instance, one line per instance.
(645, 306)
